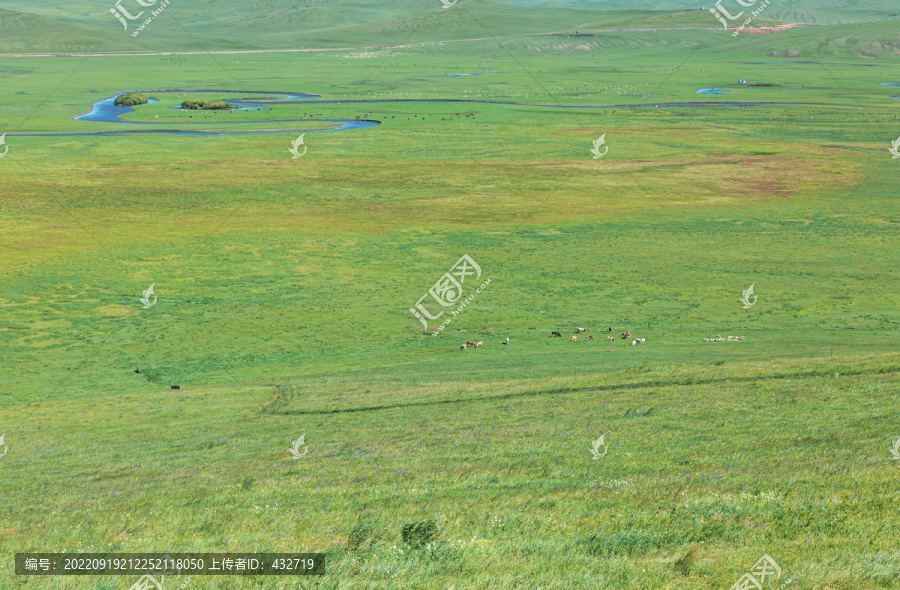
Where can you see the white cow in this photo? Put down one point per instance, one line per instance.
(574, 338)
(507, 341)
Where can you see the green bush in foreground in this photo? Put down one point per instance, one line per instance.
(205, 104)
(129, 100)
(419, 534)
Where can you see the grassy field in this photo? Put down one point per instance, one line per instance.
(720, 466)
(284, 288)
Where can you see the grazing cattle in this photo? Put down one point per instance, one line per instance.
(462, 346)
(590, 337)
(610, 330)
(641, 340)
(480, 344)
(137, 369)
(557, 334)
(507, 341)
(626, 335)
(470, 343)
(574, 338)
(633, 342)
(581, 330)
(610, 339)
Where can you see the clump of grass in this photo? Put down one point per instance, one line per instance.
(631, 543)
(361, 533)
(719, 363)
(248, 483)
(683, 565)
(419, 534)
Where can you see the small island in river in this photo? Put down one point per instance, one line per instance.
(130, 100)
(213, 105)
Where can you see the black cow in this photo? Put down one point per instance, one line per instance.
(557, 334)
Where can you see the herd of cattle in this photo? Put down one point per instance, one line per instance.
(720, 339)
(625, 336)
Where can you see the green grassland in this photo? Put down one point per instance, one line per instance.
(789, 459)
(284, 287)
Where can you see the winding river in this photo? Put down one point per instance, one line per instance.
(106, 111)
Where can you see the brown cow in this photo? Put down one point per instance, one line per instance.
(480, 344)
(470, 343)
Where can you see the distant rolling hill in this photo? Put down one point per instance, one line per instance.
(241, 24)
(215, 25)
(806, 11)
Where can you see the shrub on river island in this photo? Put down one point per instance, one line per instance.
(130, 100)
(195, 104)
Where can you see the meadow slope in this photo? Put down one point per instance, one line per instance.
(282, 289)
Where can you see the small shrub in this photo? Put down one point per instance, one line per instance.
(129, 100)
(359, 535)
(196, 104)
(248, 483)
(419, 534)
